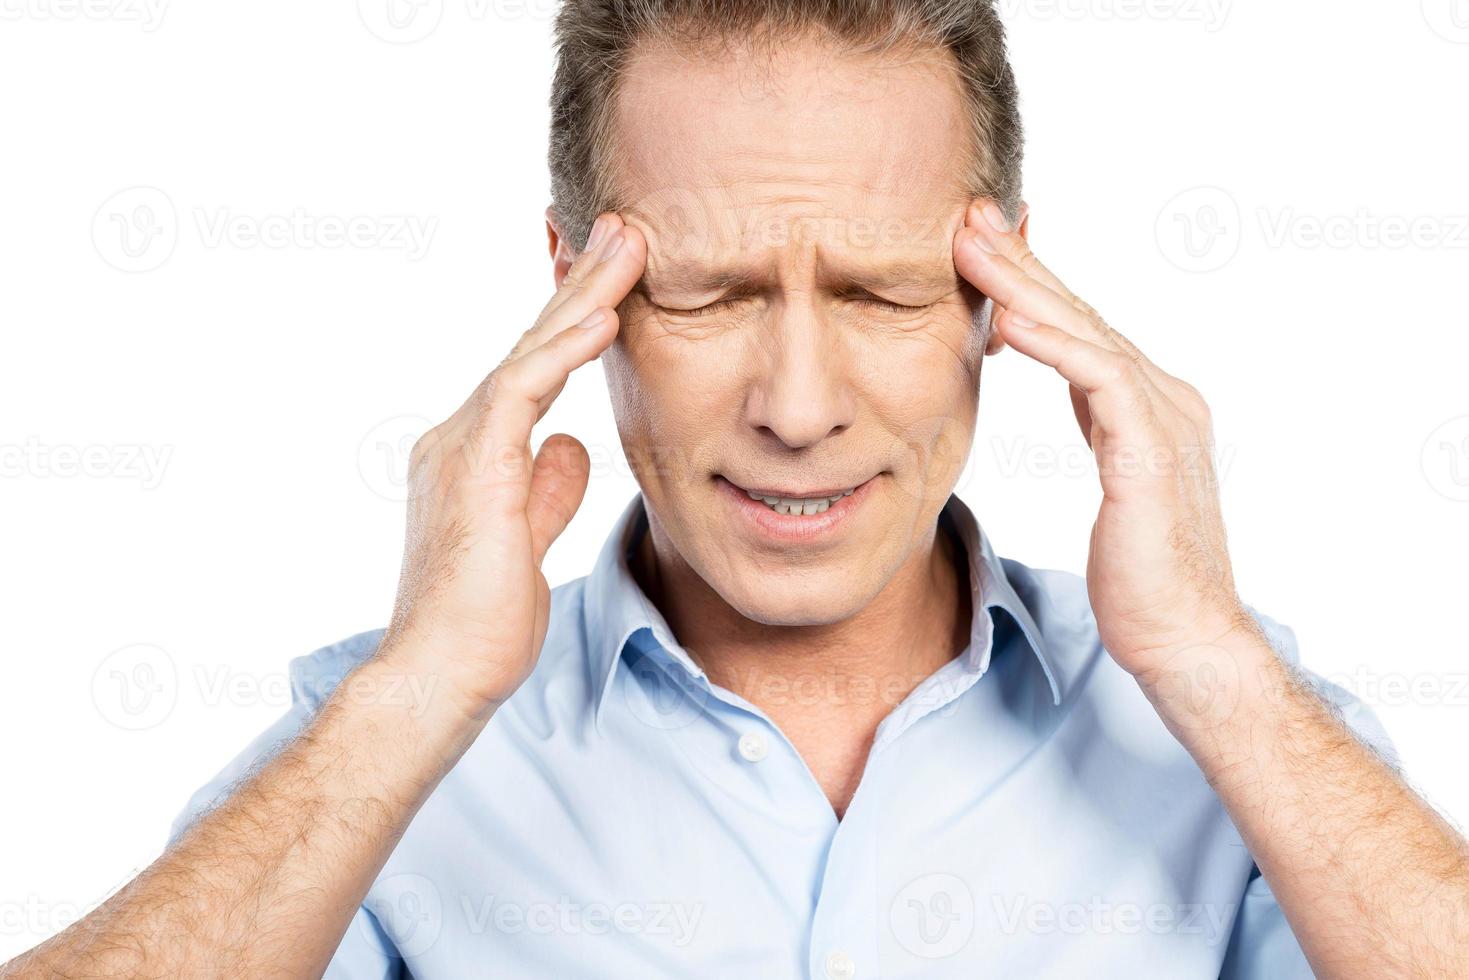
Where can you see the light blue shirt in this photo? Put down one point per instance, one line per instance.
(1023, 813)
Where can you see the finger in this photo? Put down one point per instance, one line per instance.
(986, 214)
(558, 485)
(1009, 286)
(512, 399)
(603, 276)
(986, 218)
(1016, 258)
(1119, 396)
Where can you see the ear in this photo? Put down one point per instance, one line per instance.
(562, 254)
(996, 343)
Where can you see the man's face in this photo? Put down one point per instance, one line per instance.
(801, 331)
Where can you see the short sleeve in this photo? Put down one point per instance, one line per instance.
(365, 952)
(1261, 944)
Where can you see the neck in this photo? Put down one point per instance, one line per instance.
(859, 667)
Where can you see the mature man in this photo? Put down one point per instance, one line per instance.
(799, 720)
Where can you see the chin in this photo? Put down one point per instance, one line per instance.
(797, 598)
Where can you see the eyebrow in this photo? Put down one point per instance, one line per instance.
(897, 273)
(684, 279)
(692, 280)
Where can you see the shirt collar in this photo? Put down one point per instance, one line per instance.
(616, 606)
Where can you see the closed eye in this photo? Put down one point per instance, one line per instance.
(886, 306)
(703, 311)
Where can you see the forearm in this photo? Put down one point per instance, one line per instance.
(266, 884)
(1373, 882)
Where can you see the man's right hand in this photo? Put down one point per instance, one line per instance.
(472, 605)
(323, 814)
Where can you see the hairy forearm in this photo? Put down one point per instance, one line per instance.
(1372, 880)
(266, 883)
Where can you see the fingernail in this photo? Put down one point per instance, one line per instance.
(599, 229)
(1024, 322)
(594, 319)
(613, 245)
(996, 218)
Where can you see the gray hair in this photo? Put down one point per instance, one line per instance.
(596, 38)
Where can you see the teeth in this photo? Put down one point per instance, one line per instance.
(797, 506)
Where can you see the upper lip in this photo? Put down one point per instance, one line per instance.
(795, 494)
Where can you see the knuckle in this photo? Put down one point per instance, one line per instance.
(1118, 368)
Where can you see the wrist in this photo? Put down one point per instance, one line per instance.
(1212, 690)
(398, 698)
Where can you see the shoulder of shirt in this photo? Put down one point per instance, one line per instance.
(1058, 603)
(315, 675)
(1061, 608)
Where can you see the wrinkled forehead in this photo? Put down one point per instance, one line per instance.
(754, 159)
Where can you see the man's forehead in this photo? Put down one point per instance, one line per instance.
(812, 134)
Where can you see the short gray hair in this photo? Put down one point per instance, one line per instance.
(596, 38)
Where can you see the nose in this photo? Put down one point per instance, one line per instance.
(801, 392)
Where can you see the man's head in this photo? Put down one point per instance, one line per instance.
(799, 171)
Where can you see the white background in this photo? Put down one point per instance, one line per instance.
(202, 455)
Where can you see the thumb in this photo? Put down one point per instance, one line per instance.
(558, 482)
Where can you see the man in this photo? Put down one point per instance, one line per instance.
(799, 720)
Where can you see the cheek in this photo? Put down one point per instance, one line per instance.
(928, 366)
(671, 396)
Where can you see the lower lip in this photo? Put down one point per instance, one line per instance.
(797, 528)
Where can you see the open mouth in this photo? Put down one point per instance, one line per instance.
(799, 506)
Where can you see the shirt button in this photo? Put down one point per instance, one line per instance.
(752, 747)
(839, 966)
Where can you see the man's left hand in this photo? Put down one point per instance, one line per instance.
(1158, 573)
